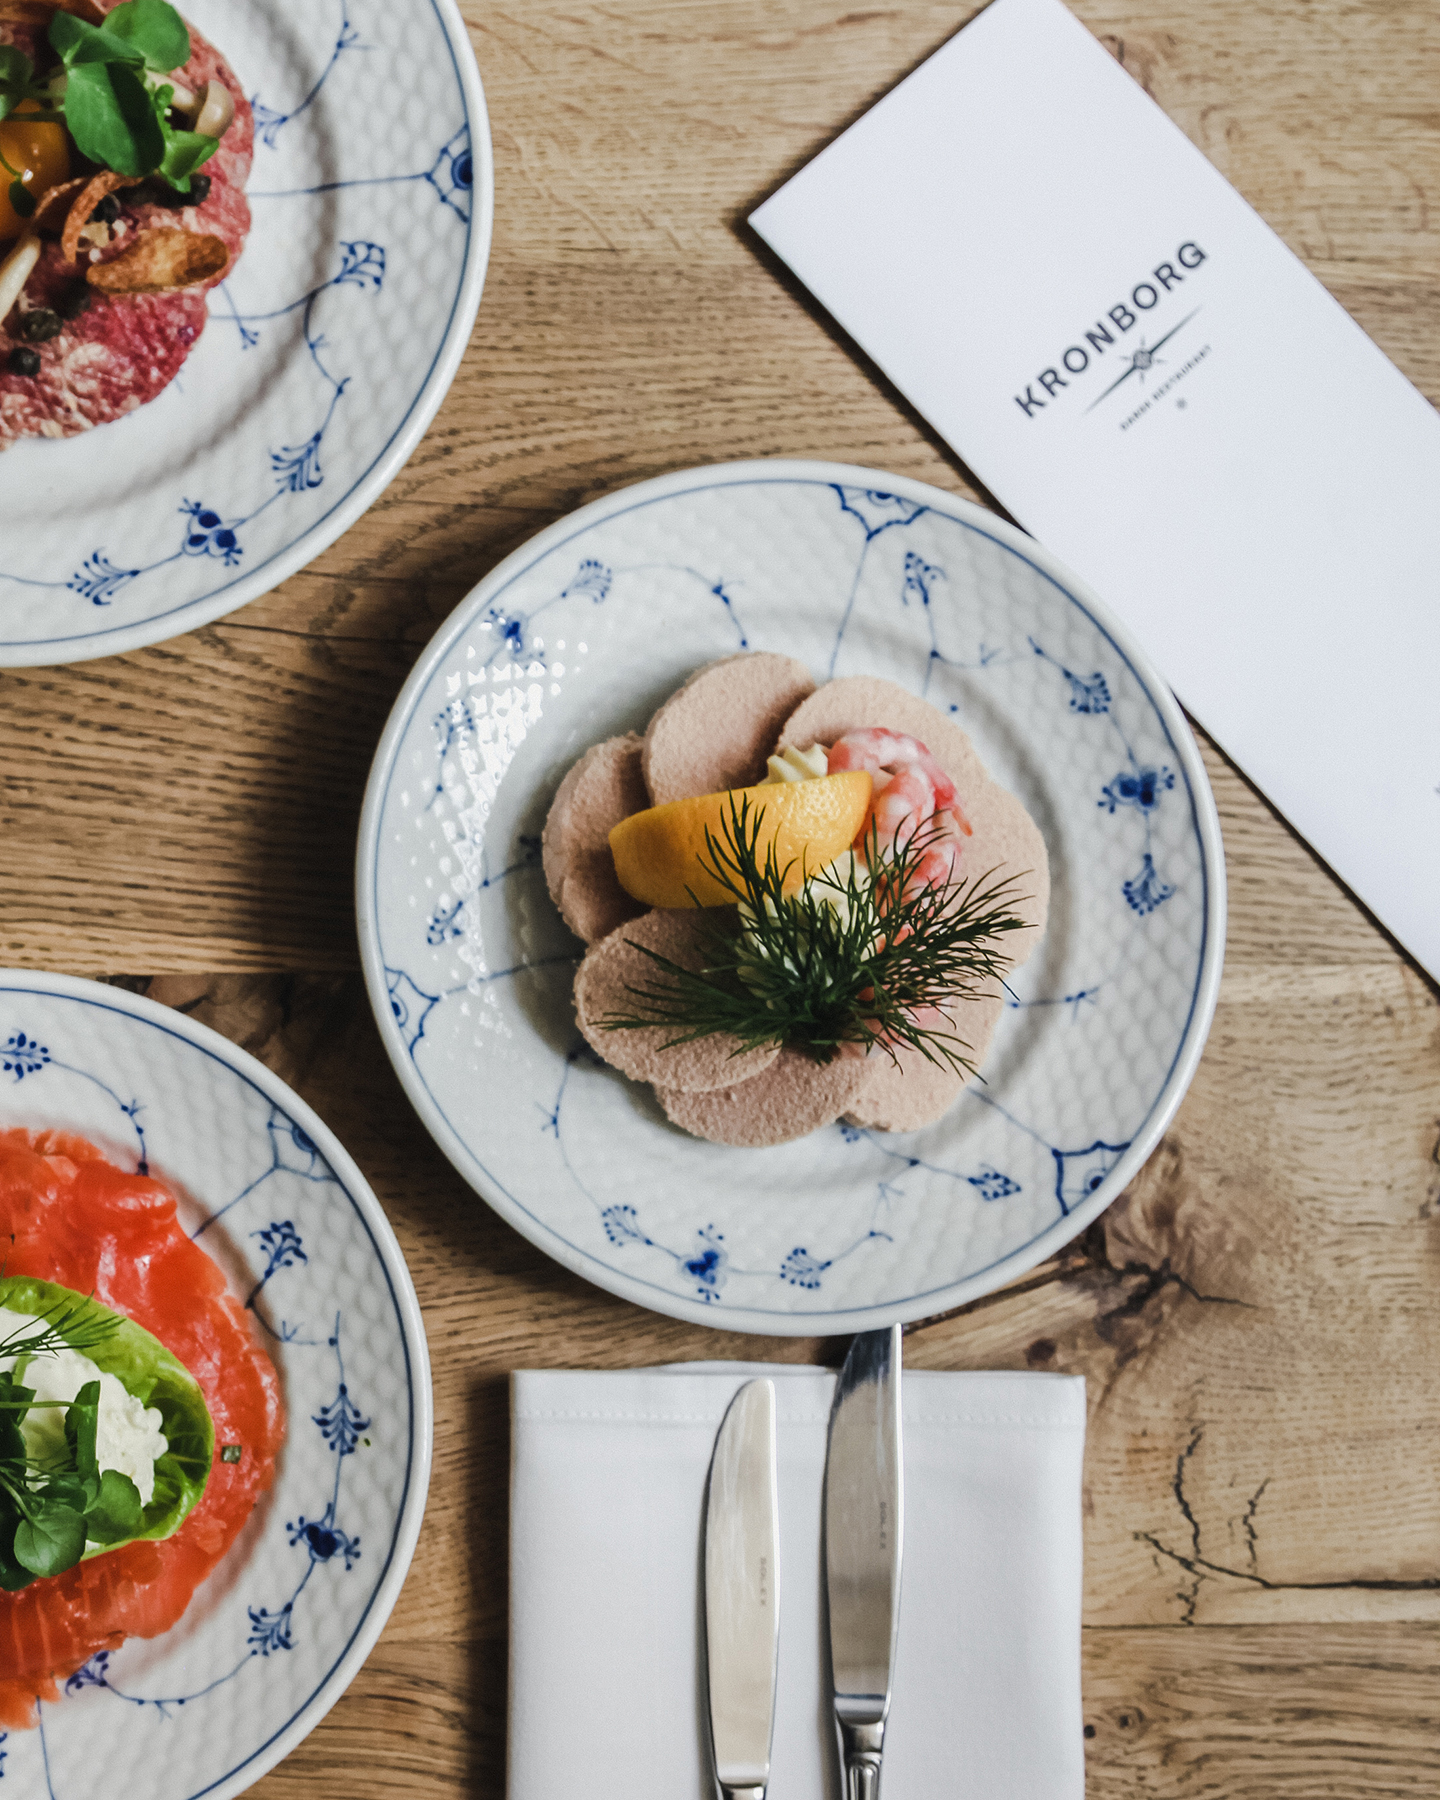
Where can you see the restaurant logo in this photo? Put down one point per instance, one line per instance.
(1109, 329)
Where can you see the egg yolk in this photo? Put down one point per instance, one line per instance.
(39, 154)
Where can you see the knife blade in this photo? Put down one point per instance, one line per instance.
(864, 1531)
(742, 1593)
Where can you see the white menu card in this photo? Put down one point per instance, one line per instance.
(1142, 373)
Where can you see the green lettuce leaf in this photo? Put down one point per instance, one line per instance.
(148, 1371)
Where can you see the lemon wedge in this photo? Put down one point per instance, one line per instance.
(660, 854)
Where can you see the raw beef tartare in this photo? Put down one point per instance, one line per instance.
(104, 270)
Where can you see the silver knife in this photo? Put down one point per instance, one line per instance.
(742, 1593)
(864, 1525)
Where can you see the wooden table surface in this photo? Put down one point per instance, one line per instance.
(1256, 1316)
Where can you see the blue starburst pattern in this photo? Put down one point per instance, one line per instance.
(1140, 788)
(98, 580)
(1145, 891)
(23, 1056)
(706, 1267)
(210, 535)
(90, 1674)
(324, 1539)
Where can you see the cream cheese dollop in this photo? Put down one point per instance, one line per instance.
(797, 765)
(128, 1437)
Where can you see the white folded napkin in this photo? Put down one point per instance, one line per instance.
(606, 1509)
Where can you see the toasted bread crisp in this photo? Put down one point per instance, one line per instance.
(159, 262)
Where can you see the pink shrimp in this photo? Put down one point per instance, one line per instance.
(911, 793)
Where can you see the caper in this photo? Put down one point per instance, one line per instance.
(165, 195)
(39, 325)
(75, 300)
(107, 212)
(23, 361)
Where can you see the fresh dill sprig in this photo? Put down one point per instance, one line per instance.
(862, 955)
(62, 1327)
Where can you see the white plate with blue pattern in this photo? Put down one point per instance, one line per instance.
(277, 1633)
(326, 355)
(579, 635)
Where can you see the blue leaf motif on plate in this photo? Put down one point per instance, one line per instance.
(707, 1266)
(209, 534)
(23, 1056)
(622, 1223)
(1092, 696)
(90, 1674)
(298, 469)
(801, 1269)
(341, 1423)
(592, 578)
(283, 1247)
(920, 577)
(445, 922)
(362, 265)
(990, 1184)
(1145, 891)
(1140, 788)
(270, 1631)
(1078, 1173)
(98, 580)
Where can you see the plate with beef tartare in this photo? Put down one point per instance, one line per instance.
(241, 250)
(790, 898)
(215, 1414)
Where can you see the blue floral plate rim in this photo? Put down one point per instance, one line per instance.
(283, 1100)
(514, 1209)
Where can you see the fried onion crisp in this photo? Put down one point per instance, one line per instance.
(84, 204)
(54, 204)
(158, 262)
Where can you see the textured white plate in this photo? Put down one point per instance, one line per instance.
(580, 634)
(327, 352)
(280, 1629)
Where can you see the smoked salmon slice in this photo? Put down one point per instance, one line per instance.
(69, 1216)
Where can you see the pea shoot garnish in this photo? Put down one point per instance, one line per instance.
(52, 1507)
(109, 90)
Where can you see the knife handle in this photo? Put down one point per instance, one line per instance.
(861, 1747)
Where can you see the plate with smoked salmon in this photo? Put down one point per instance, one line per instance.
(790, 897)
(215, 1413)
